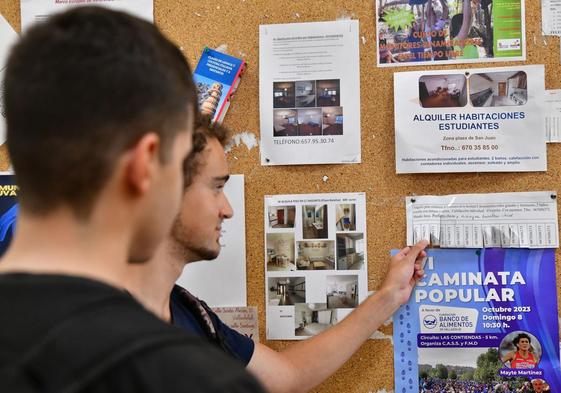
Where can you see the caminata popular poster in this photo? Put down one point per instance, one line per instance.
(482, 320)
(426, 32)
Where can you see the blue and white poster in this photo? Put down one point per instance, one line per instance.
(8, 210)
(482, 320)
(471, 120)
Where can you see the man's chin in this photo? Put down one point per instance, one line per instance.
(205, 254)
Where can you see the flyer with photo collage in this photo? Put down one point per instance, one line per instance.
(435, 32)
(309, 93)
(482, 320)
(315, 261)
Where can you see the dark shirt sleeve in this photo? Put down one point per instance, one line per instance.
(176, 369)
(240, 345)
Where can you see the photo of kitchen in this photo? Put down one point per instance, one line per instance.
(498, 89)
(350, 251)
(342, 291)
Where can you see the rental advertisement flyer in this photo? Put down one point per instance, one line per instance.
(470, 120)
(309, 101)
(482, 320)
(315, 262)
(434, 32)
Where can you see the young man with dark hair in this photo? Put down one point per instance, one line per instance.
(195, 236)
(99, 108)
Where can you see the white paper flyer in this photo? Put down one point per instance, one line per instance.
(507, 220)
(471, 120)
(553, 115)
(315, 261)
(551, 17)
(222, 282)
(38, 10)
(309, 88)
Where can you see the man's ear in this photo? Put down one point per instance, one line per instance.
(142, 161)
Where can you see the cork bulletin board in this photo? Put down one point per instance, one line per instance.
(194, 24)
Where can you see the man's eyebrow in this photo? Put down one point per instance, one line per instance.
(222, 178)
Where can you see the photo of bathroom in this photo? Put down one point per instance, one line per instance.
(314, 222)
(305, 93)
(345, 217)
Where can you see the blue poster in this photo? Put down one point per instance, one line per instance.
(8, 210)
(480, 321)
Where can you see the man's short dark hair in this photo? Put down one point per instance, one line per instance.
(204, 130)
(80, 89)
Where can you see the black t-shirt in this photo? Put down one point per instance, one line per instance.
(31, 305)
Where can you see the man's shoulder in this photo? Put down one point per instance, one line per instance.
(110, 321)
(192, 367)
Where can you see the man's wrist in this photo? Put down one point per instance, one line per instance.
(390, 297)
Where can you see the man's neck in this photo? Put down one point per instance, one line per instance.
(151, 283)
(58, 243)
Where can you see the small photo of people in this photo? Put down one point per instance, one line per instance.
(328, 92)
(443, 91)
(283, 95)
(520, 349)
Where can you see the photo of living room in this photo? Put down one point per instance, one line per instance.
(285, 122)
(350, 251)
(342, 291)
(286, 291)
(314, 222)
(443, 91)
(281, 216)
(313, 318)
(328, 92)
(305, 94)
(498, 89)
(283, 95)
(332, 121)
(316, 255)
(280, 252)
(345, 217)
(309, 122)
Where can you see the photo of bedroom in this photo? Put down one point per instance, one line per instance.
(443, 91)
(305, 94)
(498, 89)
(281, 216)
(345, 217)
(328, 92)
(286, 291)
(314, 222)
(313, 318)
(342, 291)
(350, 251)
(283, 95)
(285, 122)
(309, 122)
(280, 252)
(332, 121)
(316, 255)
